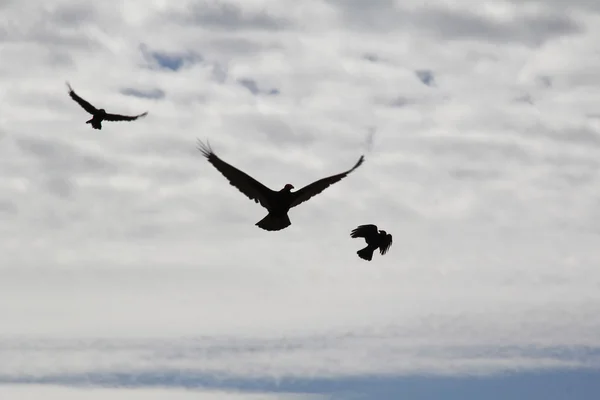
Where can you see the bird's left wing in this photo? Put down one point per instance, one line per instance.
(364, 231)
(118, 117)
(249, 186)
(83, 103)
(385, 244)
(317, 187)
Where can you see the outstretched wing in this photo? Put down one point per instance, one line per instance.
(83, 103)
(364, 231)
(317, 187)
(249, 186)
(118, 117)
(386, 243)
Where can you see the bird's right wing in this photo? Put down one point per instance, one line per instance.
(317, 187)
(119, 117)
(364, 231)
(385, 244)
(249, 186)
(86, 106)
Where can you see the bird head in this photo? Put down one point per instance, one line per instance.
(382, 232)
(288, 187)
(102, 111)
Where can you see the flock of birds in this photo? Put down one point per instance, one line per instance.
(277, 203)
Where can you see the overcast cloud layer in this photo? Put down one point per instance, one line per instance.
(122, 251)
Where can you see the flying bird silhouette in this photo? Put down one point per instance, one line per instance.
(99, 115)
(277, 203)
(375, 240)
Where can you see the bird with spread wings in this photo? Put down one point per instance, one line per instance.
(277, 203)
(99, 114)
(375, 240)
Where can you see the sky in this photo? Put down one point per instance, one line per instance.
(131, 269)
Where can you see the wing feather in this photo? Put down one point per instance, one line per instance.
(317, 187)
(385, 244)
(83, 103)
(119, 117)
(249, 186)
(364, 231)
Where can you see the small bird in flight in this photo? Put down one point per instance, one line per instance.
(99, 115)
(277, 203)
(375, 240)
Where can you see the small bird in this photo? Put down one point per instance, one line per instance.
(375, 240)
(277, 203)
(99, 115)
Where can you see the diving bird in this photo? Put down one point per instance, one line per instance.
(277, 203)
(99, 115)
(375, 240)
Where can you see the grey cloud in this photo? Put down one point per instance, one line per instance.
(370, 139)
(73, 14)
(277, 130)
(173, 61)
(376, 15)
(232, 18)
(575, 177)
(526, 98)
(57, 157)
(166, 146)
(146, 231)
(527, 29)
(8, 207)
(449, 24)
(574, 160)
(545, 80)
(579, 135)
(249, 84)
(371, 57)
(59, 162)
(177, 160)
(48, 26)
(474, 174)
(589, 5)
(483, 151)
(207, 360)
(46, 33)
(61, 57)
(155, 93)
(426, 76)
(59, 186)
(401, 101)
(252, 86)
(219, 73)
(240, 46)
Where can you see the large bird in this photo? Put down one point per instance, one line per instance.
(99, 115)
(375, 240)
(277, 203)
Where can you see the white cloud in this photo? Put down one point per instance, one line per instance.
(61, 393)
(486, 179)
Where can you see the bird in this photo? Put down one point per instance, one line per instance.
(99, 115)
(375, 240)
(277, 203)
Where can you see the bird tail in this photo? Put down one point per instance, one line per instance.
(95, 123)
(274, 222)
(366, 253)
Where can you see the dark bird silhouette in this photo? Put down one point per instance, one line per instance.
(277, 203)
(99, 115)
(375, 240)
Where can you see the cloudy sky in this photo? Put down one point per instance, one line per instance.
(131, 269)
